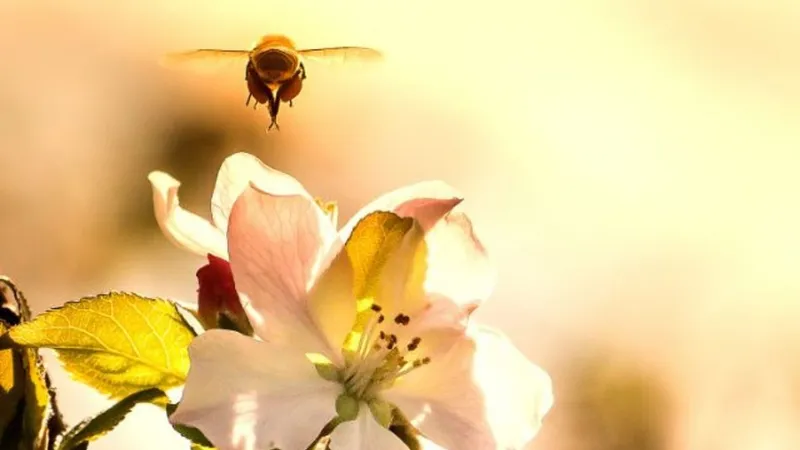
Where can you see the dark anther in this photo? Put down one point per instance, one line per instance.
(414, 344)
(426, 360)
(402, 319)
(381, 318)
(382, 335)
(376, 307)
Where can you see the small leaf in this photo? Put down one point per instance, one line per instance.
(38, 398)
(94, 427)
(13, 301)
(11, 387)
(118, 343)
(36, 420)
(196, 446)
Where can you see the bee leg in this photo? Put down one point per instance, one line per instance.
(290, 89)
(256, 88)
(302, 71)
(274, 107)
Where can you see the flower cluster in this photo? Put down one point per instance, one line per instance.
(359, 336)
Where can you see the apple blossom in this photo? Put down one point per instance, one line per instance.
(429, 202)
(353, 326)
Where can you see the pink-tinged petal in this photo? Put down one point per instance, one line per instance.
(406, 282)
(426, 202)
(364, 433)
(238, 171)
(483, 394)
(458, 266)
(277, 245)
(182, 228)
(244, 394)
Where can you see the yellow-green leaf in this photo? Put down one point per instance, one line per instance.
(35, 420)
(38, 409)
(94, 427)
(118, 343)
(196, 446)
(11, 388)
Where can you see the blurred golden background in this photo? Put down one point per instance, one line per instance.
(631, 165)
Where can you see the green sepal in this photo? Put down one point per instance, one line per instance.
(347, 407)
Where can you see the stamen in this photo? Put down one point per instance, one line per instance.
(381, 357)
(402, 319)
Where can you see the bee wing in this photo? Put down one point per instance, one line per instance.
(341, 54)
(206, 59)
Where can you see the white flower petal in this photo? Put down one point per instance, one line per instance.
(427, 444)
(245, 394)
(483, 394)
(238, 171)
(426, 201)
(182, 228)
(276, 245)
(458, 266)
(364, 433)
(331, 301)
(417, 276)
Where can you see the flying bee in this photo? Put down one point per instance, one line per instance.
(275, 68)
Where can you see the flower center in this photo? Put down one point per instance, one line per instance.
(380, 357)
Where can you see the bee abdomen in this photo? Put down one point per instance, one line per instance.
(275, 65)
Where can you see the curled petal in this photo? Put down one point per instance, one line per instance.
(238, 171)
(277, 245)
(458, 265)
(426, 202)
(426, 277)
(244, 394)
(483, 394)
(364, 433)
(184, 229)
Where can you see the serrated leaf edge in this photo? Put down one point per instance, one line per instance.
(116, 414)
(10, 334)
